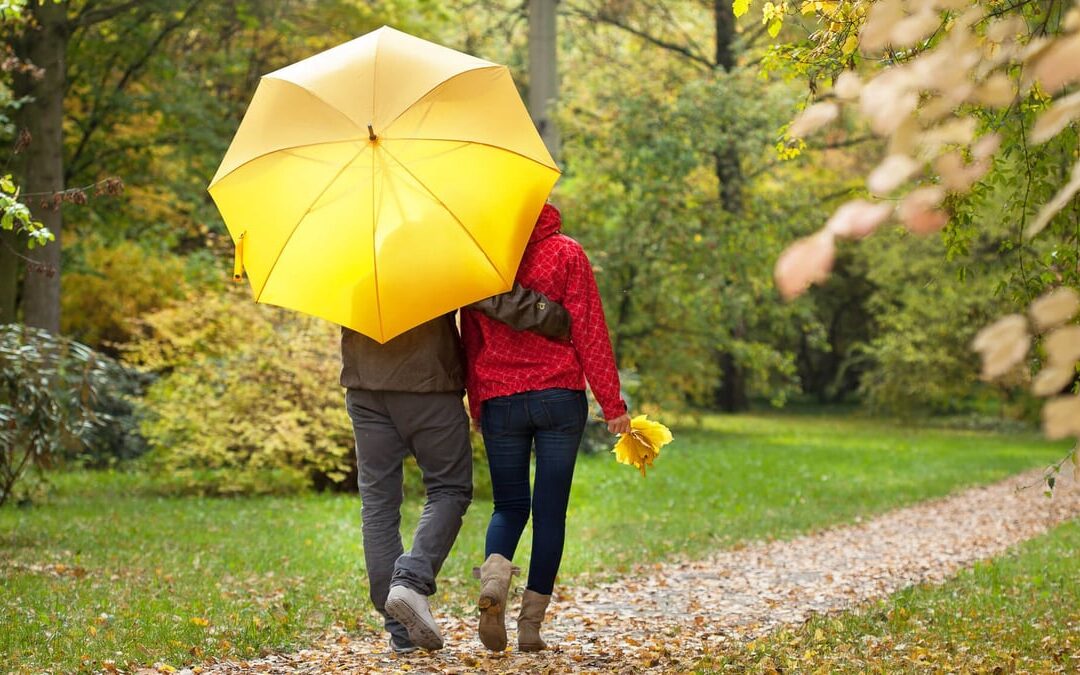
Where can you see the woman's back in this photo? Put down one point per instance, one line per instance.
(502, 361)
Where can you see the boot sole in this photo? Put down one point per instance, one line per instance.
(419, 632)
(492, 627)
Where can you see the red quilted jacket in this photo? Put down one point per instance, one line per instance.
(501, 361)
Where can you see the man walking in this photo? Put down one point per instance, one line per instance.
(404, 397)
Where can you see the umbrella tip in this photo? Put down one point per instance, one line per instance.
(371, 133)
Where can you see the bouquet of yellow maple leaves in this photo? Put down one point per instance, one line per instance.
(641, 445)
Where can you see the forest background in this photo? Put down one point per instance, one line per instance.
(680, 179)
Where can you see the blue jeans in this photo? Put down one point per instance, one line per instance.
(554, 419)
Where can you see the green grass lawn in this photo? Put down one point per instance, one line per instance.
(104, 572)
(1017, 613)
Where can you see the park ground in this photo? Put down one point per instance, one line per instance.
(106, 575)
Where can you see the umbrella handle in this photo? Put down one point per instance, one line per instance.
(238, 259)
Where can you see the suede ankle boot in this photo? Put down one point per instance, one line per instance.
(494, 577)
(533, 608)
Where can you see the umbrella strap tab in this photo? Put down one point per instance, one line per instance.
(238, 260)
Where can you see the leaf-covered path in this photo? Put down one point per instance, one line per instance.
(667, 616)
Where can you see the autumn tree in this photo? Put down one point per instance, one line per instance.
(963, 93)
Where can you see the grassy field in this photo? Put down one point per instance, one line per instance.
(104, 572)
(1017, 613)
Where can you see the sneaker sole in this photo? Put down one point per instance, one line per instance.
(419, 632)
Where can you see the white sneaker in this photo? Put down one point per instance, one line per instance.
(412, 610)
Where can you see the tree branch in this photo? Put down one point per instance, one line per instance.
(846, 143)
(89, 17)
(601, 16)
(97, 117)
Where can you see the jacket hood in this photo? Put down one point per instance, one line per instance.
(549, 222)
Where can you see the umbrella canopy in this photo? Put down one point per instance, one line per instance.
(382, 183)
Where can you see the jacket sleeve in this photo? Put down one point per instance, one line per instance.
(471, 342)
(525, 309)
(589, 334)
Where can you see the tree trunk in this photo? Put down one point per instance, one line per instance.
(42, 163)
(731, 395)
(543, 70)
(9, 276)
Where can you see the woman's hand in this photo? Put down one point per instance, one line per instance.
(619, 425)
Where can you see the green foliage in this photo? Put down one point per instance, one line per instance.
(925, 317)
(48, 389)
(120, 283)
(16, 216)
(684, 279)
(247, 400)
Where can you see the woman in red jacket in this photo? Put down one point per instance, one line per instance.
(526, 389)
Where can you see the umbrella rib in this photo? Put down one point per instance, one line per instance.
(374, 249)
(452, 215)
(301, 219)
(468, 142)
(313, 95)
(285, 150)
(436, 86)
(320, 99)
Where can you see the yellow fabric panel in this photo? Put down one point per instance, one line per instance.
(328, 268)
(428, 264)
(461, 109)
(283, 115)
(342, 76)
(267, 198)
(407, 68)
(377, 76)
(496, 194)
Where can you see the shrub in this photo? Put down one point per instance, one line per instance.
(247, 399)
(48, 389)
(120, 282)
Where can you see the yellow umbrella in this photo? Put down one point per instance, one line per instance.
(382, 183)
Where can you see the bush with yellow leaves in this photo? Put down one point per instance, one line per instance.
(119, 283)
(247, 400)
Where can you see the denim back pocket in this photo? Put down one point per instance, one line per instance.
(566, 409)
(495, 417)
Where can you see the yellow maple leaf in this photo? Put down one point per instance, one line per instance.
(642, 444)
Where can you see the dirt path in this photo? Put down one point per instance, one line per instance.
(665, 617)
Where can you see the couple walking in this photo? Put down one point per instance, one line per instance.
(524, 357)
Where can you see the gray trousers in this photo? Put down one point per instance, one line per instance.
(434, 428)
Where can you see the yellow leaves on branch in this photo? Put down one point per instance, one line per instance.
(813, 118)
(1054, 120)
(1058, 63)
(1005, 343)
(1061, 417)
(858, 218)
(919, 211)
(1055, 308)
(1051, 208)
(922, 106)
(642, 444)
(807, 261)
(893, 171)
(1002, 344)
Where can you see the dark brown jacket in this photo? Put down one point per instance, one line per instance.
(429, 358)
